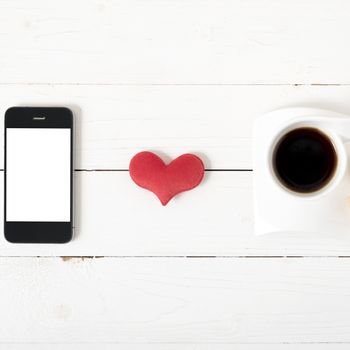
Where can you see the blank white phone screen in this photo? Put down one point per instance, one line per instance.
(38, 174)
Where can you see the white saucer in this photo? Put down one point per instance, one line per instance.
(278, 210)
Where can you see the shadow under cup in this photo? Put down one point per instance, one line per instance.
(306, 160)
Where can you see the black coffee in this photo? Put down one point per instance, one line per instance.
(305, 160)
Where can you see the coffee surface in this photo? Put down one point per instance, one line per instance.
(305, 160)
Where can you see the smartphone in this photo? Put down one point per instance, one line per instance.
(38, 175)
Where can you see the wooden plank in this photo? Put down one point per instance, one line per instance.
(136, 42)
(115, 122)
(206, 301)
(114, 217)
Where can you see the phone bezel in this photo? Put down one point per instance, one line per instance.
(37, 231)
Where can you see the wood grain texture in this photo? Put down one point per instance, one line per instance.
(205, 301)
(161, 42)
(215, 122)
(114, 217)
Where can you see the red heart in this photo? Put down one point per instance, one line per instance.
(166, 181)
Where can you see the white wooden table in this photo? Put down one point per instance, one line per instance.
(173, 76)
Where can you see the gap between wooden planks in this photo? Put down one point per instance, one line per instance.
(215, 122)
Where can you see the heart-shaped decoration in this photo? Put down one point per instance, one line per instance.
(166, 181)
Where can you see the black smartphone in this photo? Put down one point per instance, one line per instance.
(38, 175)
